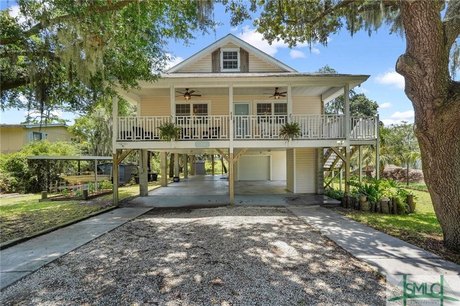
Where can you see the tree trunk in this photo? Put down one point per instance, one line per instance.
(171, 165)
(407, 174)
(436, 101)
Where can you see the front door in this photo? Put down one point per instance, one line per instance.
(242, 120)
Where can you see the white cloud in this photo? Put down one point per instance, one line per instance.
(297, 54)
(315, 50)
(173, 61)
(385, 105)
(398, 117)
(391, 78)
(361, 89)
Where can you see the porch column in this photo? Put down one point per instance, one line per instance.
(143, 175)
(185, 162)
(164, 169)
(176, 164)
(172, 101)
(320, 171)
(360, 163)
(230, 113)
(289, 103)
(346, 93)
(377, 150)
(231, 181)
(212, 164)
(115, 177)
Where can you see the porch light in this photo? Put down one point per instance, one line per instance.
(187, 96)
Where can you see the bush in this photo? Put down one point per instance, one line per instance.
(400, 174)
(18, 174)
(334, 193)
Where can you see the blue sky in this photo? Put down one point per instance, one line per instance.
(375, 55)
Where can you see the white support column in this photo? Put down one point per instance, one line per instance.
(289, 102)
(230, 113)
(346, 93)
(172, 101)
(114, 123)
(143, 175)
(212, 164)
(164, 169)
(377, 150)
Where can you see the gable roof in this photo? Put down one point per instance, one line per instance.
(230, 38)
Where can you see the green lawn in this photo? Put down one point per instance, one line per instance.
(24, 216)
(420, 228)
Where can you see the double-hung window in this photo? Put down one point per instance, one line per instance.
(230, 59)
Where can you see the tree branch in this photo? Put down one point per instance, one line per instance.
(7, 84)
(451, 22)
(44, 24)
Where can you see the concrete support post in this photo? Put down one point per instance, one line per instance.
(176, 165)
(115, 178)
(143, 173)
(231, 179)
(164, 168)
(185, 162)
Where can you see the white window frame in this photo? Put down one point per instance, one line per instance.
(281, 101)
(191, 103)
(237, 50)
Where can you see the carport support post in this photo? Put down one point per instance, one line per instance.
(176, 165)
(185, 162)
(231, 181)
(347, 169)
(143, 175)
(360, 163)
(164, 169)
(212, 164)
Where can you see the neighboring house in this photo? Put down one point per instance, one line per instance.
(231, 98)
(14, 136)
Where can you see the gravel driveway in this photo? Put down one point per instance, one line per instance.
(219, 256)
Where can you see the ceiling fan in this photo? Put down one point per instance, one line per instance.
(188, 94)
(278, 94)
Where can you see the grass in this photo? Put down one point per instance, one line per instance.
(24, 216)
(420, 228)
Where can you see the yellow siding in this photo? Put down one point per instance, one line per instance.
(305, 166)
(306, 105)
(59, 133)
(155, 106)
(12, 139)
(256, 64)
(218, 105)
(203, 64)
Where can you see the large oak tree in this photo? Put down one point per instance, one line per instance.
(431, 29)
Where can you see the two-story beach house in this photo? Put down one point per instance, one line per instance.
(232, 99)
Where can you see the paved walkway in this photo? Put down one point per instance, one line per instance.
(388, 254)
(23, 259)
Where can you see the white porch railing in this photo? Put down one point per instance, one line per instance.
(363, 128)
(320, 126)
(314, 127)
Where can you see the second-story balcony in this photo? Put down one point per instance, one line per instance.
(247, 127)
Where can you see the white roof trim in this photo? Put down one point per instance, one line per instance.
(237, 41)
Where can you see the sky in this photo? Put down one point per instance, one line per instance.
(375, 55)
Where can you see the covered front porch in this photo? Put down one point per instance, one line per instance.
(213, 191)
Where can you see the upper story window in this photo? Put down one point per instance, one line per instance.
(230, 60)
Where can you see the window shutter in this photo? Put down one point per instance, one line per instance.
(216, 61)
(244, 61)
